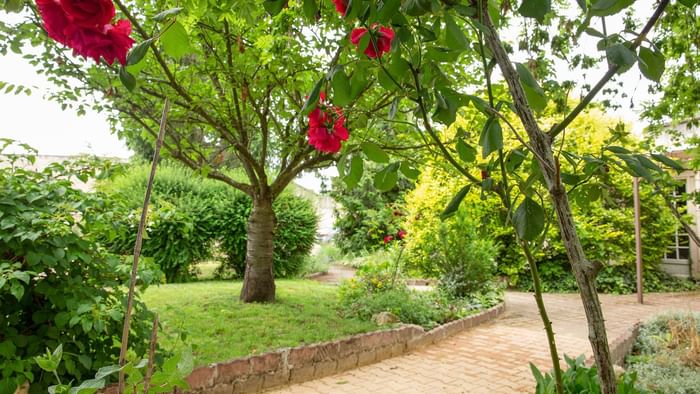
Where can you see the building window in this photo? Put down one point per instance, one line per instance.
(680, 247)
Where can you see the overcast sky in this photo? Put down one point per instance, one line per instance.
(42, 123)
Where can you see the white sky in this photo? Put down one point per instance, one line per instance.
(43, 125)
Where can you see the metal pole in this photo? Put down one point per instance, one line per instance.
(638, 240)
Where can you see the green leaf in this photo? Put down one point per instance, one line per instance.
(388, 10)
(634, 167)
(176, 41)
(528, 219)
(643, 160)
(448, 102)
(386, 179)
(620, 56)
(453, 206)
(668, 162)
(106, 371)
(465, 151)
(161, 16)
(274, 7)
(617, 149)
(137, 53)
(394, 108)
(356, 171)
(342, 94)
(651, 63)
(311, 101)
(491, 138)
(515, 159)
(127, 79)
(535, 9)
(408, 171)
(17, 290)
(609, 7)
(13, 5)
(454, 35)
(374, 152)
(689, 3)
(417, 7)
(310, 9)
(7, 349)
(534, 93)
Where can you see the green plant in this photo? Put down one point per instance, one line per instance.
(367, 215)
(191, 217)
(57, 285)
(579, 378)
(666, 355)
(295, 234)
(170, 376)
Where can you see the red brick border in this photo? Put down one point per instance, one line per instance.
(304, 363)
(621, 346)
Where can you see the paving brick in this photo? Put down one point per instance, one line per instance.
(491, 357)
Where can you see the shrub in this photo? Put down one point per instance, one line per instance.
(375, 290)
(579, 378)
(295, 235)
(190, 217)
(666, 355)
(367, 215)
(57, 286)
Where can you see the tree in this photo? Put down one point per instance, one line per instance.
(237, 80)
(432, 37)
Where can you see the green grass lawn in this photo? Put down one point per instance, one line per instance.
(220, 328)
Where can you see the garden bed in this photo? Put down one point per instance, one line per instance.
(666, 354)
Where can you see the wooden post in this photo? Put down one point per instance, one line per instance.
(638, 240)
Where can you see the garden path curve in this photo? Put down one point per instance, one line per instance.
(493, 358)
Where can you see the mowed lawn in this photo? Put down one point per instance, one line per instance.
(219, 327)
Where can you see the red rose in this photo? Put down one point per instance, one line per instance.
(401, 234)
(341, 6)
(89, 13)
(382, 37)
(55, 19)
(327, 127)
(388, 239)
(110, 43)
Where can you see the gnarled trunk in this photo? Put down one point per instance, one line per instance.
(259, 280)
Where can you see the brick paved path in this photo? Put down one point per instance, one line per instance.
(493, 358)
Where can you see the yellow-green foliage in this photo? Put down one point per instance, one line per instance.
(602, 209)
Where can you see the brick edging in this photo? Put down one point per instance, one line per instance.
(304, 363)
(621, 346)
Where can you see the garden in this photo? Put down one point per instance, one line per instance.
(458, 174)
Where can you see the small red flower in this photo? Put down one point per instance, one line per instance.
(388, 239)
(341, 6)
(327, 127)
(401, 234)
(382, 38)
(89, 13)
(485, 175)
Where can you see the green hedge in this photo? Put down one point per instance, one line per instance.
(192, 219)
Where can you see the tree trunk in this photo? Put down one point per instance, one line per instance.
(259, 280)
(584, 270)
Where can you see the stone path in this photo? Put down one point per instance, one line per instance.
(493, 358)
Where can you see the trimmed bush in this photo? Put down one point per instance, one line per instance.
(57, 286)
(192, 218)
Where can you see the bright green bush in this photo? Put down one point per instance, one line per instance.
(665, 358)
(57, 286)
(192, 218)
